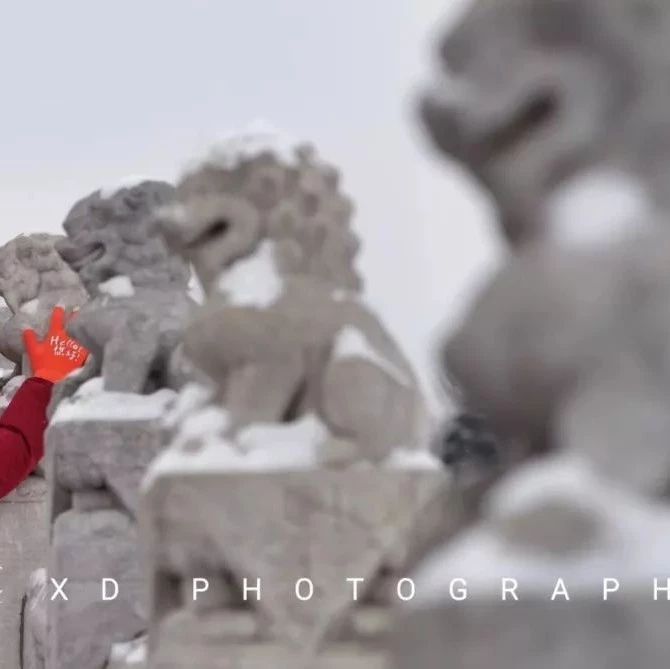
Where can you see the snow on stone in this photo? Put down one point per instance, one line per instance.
(191, 397)
(413, 458)
(632, 541)
(127, 654)
(284, 444)
(118, 286)
(253, 281)
(598, 206)
(92, 402)
(37, 591)
(213, 456)
(37, 578)
(30, 307)
(262, 447)
(205, 424)
(174, 211)
(259, 447)
(259, 137)
(129, 181)
(556, 478)
(75, 372)
(341, 295)
(195, 290)
(352, 343)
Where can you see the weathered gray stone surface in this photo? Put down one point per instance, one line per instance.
(280, 527)
(284, 331)
(89, 455)
(550, 520)
(23, 545)
(128, 655)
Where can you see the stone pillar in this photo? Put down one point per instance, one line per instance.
(95, 468)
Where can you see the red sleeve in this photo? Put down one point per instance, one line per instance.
(22, 428)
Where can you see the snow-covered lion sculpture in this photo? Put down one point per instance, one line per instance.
(139, 290)
(567, 346)
(284, 331)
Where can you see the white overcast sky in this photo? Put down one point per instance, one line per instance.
(95, 90)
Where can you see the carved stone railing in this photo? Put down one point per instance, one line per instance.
(95, 468)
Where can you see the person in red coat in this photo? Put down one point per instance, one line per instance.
(23, 423)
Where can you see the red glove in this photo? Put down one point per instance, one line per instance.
(57, 354)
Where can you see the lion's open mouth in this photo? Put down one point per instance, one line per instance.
(534, 114)
(79, 257)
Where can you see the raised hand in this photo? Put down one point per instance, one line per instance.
(58, 354)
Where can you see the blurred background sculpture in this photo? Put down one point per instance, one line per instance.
(583, 200)
(558, 107)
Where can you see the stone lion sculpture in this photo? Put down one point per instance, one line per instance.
(567, 347)
(33, 279)
(284, 331)
(139, 305)
(533, 93)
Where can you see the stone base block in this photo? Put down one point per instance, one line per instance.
(274, 529)
(92, 454)
(264, 656)
(88, 547)
(229, 640)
